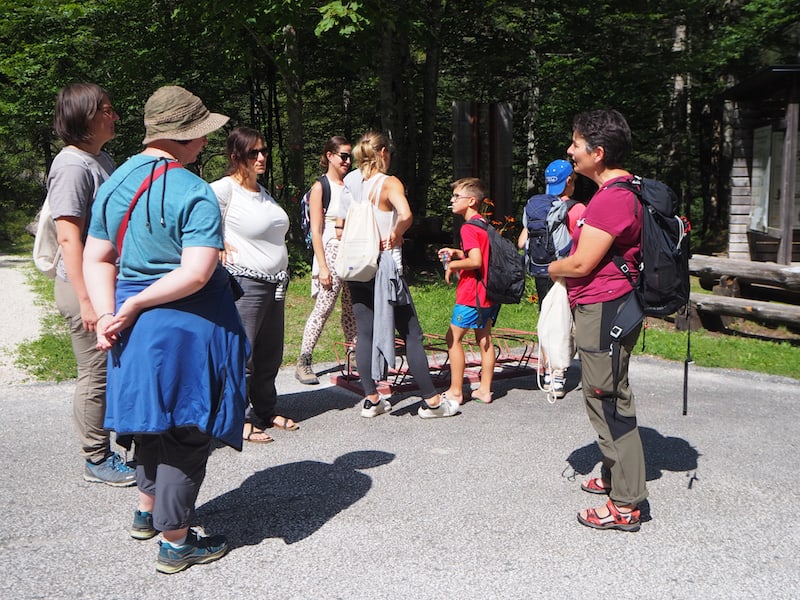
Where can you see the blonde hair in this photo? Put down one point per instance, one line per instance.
(367, 153)
(473, 187)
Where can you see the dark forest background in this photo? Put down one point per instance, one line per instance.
(301, 71)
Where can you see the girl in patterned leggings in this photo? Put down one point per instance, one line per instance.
(325, 284)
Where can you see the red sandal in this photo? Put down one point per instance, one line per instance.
(624, 521)
(595, 486)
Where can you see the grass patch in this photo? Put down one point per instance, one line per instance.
(50, 357)
(719, 350)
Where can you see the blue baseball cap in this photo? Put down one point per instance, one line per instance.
(556, 175)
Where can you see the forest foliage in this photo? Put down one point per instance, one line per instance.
(303, 70)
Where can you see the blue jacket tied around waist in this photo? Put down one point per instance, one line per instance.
(181, 364)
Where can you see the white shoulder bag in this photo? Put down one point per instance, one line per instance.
(555, 328)
(360, 244)
(46, 250)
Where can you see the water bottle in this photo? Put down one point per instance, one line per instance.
(444, 257)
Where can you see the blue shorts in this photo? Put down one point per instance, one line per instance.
(469, 317)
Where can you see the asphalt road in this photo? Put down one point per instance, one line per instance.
(478, 506)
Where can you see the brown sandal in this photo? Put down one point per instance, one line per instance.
(624, 521)
(285, 424)
(255, 435)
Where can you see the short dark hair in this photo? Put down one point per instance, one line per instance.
(606, 128)
(474, 187)
(76, 106)
(236, 147)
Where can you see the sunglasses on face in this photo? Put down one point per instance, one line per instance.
(345, 156)
(253, 154)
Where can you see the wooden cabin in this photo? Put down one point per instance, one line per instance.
(759, 280)
(765, 191)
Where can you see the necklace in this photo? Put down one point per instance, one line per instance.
(158, 152)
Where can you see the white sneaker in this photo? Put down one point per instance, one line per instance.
(446, 408)
(558, 383)
(544, 381)
(373, 410)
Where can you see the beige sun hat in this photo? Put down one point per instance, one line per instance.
(174, 113)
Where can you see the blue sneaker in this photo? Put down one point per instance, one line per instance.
(195, 551)
(142, 528)
(112, 471)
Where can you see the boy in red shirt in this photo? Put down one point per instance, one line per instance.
(472, 309)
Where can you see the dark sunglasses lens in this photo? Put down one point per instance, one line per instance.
(344, 156)
(253, 154)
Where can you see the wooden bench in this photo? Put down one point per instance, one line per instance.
(515, 355)
(763, 292)
(769, 313)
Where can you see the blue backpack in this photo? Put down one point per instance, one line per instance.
(305, 208)
(548, 235)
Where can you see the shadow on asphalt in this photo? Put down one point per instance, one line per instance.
(291, 501)
(660, 454)
(304, 405)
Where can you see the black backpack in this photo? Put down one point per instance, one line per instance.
(305, 208)
(505, 281)
(663, 283)
(548, 235)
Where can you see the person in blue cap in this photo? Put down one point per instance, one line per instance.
(560, 183)
(545, 241)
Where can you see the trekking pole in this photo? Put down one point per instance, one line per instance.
(687, 361)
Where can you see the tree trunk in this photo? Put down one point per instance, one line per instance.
(294, 112)
(430, 82)
(397, 115)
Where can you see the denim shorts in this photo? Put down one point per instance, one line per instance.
(469, 317)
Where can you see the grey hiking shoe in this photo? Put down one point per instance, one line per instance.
(196, 550)
(112, 471)
(142, 528)
(303, 371)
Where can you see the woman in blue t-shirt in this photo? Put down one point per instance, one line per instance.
(177, 350)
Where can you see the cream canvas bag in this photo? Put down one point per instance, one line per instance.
(360, 244)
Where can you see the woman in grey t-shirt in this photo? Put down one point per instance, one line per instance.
(85, 121)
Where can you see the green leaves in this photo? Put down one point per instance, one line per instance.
(346, 18)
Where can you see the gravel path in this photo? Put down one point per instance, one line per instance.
(20, 316)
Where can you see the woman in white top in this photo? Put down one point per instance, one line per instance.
(254, 229)
(325, 283)
(393, 217)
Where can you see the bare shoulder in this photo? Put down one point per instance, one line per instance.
(393, 194)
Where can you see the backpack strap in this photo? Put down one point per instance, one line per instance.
(480, 224)
(148, 181)
(633, 186)
(326, 192)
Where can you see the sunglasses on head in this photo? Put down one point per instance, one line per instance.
(345, 156)
(253, 154)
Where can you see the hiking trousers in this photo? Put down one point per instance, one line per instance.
(89, 398)
(613, 416)
(171, 467)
